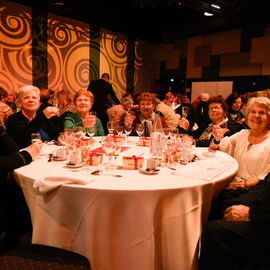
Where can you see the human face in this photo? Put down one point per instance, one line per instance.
(216, 113)
(10, 97)
(83, 104)
(30, 101)
(258, 118)
(236, 105)
(146, 108)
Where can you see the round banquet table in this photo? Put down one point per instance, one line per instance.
(138, 221)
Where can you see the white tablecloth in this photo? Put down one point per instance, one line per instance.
(135, 222)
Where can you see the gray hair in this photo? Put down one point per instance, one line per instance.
(26, 89)
(126, 100)
(262, 102)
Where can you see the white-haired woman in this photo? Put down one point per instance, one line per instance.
(27, 121)
(250, 147)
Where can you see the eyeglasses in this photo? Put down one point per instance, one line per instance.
(215, 108)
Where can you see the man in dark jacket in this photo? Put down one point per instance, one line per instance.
(242, 235)
(102, 91)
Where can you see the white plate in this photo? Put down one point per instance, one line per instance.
(70, 165)
(58, 158)
(209, 154)
(151, 172)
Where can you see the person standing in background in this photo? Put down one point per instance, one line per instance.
(101, 88)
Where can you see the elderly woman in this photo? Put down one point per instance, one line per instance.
(147, 103)
(83, 101)
(21, 124)
(236, 118)
(217, 110)
(251, 149)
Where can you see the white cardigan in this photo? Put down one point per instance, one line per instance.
(253, 163)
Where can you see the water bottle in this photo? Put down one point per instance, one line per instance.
(156, 138)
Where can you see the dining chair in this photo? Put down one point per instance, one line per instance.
(39, 257)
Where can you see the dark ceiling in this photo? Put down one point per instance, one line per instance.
(160, 21)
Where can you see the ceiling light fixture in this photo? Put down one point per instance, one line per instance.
(215, 6)
(208, 14)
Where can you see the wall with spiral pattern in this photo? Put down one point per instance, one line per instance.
(75, 52)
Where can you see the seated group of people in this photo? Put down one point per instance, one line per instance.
(239, 216)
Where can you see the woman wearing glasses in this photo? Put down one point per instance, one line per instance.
(217, 110)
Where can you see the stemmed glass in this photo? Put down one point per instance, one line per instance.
(119, 130)
(90, 131)
(128, 129)
(173, 133)
(166, 133)
(185, 111)
(109, 147)
(140, 129)
(110, 126)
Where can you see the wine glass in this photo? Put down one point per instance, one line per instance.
(90, 131)
(119, 130)
(185, 111)
(173, 133)
(109, 147)
(78, 132)
(140, 129)
(166, 133)
(110, 126)
(128, 129)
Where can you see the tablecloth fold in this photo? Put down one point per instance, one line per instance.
(57, 179)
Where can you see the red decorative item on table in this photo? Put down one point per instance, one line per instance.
(132, 163)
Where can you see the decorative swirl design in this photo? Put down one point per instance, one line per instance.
(58, 33)
(15, 25)
(76, 74)
(114, 48)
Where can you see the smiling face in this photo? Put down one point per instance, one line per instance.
(83, 104)
(236, 105)
(146, 108)
(30, 101)
(11, 96)
(258, 118)
(216, 113)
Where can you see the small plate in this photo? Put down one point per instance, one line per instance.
(58, 158)
(150, 172)
(71, 165)
(209, 154)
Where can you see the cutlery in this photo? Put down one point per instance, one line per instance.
(98, 172)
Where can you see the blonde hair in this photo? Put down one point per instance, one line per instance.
(84, 92)
(26, 89)
(262, 102)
